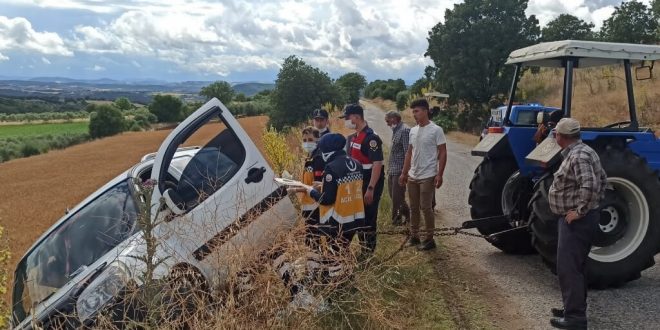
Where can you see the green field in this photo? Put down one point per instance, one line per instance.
(27, 130)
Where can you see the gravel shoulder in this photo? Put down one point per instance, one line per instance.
(519, 290)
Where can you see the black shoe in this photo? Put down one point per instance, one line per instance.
(427, 245)
(569, 323)
(557, 312)
(413, 241)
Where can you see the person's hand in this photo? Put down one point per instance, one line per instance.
(438, 181)
(296, 190)
(317, 185)
(403, 180)
(571, 216)
(369, 197)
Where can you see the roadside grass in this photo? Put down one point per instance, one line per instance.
(402, 288)
(8, 131)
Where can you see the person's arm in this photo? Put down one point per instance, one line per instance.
(405, 139)
(403, 179)
(442, 162)
(329, 194)
(375, 154)
(587, 181)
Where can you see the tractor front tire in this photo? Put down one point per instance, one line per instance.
(486, 201)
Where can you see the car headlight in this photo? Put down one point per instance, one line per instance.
(105, 287)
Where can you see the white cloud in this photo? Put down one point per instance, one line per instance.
(45, 60)
(3, 57)
(237, 36)
(377, 38)
(97, 68)
(18, 34)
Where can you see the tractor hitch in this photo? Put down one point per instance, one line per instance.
(496, 220)
(512, 234)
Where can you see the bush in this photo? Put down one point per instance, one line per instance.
(167, 108)
(250, 108)
(446, 118)
(106, 121)
(18, 147)
(471, 118)
(402, 98)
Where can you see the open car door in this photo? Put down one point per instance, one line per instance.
(225, 194)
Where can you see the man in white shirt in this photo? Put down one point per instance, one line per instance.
(422, 172)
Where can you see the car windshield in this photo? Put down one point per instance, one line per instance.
(82, 239)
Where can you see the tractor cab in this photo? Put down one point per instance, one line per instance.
(519, 172)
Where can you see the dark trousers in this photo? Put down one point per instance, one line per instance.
(573, 248)
(367, 237)
(400, 209)
(312, 233)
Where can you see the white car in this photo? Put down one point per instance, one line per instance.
(214, 207)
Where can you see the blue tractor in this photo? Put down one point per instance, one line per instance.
(509, 191)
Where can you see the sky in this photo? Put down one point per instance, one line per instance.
(236, 41)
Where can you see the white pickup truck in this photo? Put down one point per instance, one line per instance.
(214, 207)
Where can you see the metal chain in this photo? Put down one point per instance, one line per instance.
(442, 231)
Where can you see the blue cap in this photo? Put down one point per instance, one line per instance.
(320, 113)
(332, 142)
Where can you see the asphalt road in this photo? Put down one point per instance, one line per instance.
(524, 280)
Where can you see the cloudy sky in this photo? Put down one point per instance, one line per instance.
(231, 40)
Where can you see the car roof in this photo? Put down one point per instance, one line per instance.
(592, 53)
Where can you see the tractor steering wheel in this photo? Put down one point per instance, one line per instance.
(618, 125)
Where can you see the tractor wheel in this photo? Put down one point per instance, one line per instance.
(629, 234)
(485, 199)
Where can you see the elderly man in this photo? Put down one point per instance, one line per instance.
(400, 138)
(577, 189)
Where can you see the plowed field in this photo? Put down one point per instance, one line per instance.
(36, 191)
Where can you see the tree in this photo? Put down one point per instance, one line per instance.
(106, 121)
(221, 90)
(385, 89)
(123, 104)
(470, 48)
(632, 22)
(350, 86)
(567, 27)
(299, 89)
(167, 108)
(240, 97)
(655, 9)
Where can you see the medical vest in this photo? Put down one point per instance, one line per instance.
(341, 195)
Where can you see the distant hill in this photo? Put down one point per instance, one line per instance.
(250, 89)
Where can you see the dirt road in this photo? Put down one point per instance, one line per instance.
(520, 288)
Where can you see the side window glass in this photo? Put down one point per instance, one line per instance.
(217, 161)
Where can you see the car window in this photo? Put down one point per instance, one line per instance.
(212, 166)
(82, 239)
(526, 118)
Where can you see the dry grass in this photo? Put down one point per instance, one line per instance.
(37, 190)
(599, 95)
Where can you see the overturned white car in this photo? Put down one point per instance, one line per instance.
(213, 208)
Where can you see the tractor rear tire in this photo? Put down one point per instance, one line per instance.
(485, 201)
(629, 235)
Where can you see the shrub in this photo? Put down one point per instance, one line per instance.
(446, 118)
(249, 108)
(167, 108)
(106, 121)
(402, 98)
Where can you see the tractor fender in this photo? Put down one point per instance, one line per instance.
(493, 145)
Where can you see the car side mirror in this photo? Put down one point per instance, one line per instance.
(644, 72)
(539, 117)
(174, 202)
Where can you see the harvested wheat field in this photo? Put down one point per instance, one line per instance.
(37, 190)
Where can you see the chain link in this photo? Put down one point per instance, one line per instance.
(442, 231)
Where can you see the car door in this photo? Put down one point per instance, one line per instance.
(225, 188)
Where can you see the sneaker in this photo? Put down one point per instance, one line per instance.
(413, 241)
(427, 245)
